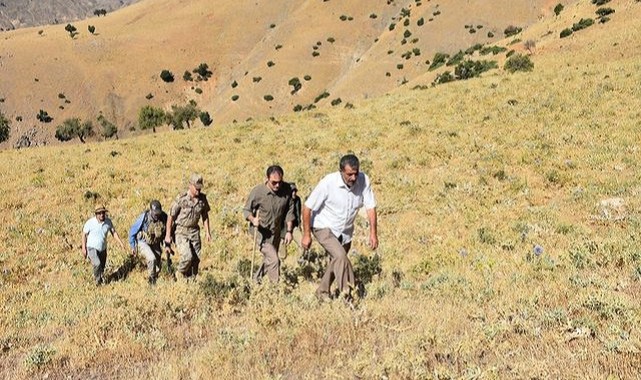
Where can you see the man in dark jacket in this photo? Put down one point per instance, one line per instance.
(147, 234)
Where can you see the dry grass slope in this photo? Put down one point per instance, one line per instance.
(509, 236)
(112, 71)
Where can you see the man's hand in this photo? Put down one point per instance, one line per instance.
(306, 241)
(288, 238)
(84, 252)
(208, 236)
(255, 221)
(133, 251)
(373, 241)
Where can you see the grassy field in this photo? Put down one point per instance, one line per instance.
(509, 238)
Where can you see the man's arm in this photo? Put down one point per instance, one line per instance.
(170, 223)
(133, 232)
(115, 235)
(373, 228)
(206, 225)
(306, 241)
(84, 244)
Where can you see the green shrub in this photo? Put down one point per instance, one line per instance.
(234, 84)
(296, 84)
(278, 47)
(167, 76)
(420, 22)
(256, 79)
(150, 117)
(373, 16)
(91, 29)
(307, 78)
(602, 12)
(407, 34)
(492, 49)
(473, 48)
(471, 69)
(322, 96)
(187, 76)
(182, 115)
(44, 117)
(558, 9)
(315, 54)
(600, 2)
(331, 40)
(71, 128)
(336, 101)
(582, 24)
(566, 33)
(518, 62)
(71, 30)
(456, 59)
(438, 61)
(512, 30)
(39, 356)
(234, 98)
(444, 77)
(233, 289)
(270, 63)
(268, 98)
(205, 118)
(4, 128)
(490, 35)
(298, 108)
(203, 71)
(108, 129)
(198, 90)
(392, 26)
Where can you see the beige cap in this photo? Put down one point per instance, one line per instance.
(196, 180)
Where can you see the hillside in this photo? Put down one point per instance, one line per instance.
(509, 229)
(339, 52)
(21, 14)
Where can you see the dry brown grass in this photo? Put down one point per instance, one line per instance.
(470, 177)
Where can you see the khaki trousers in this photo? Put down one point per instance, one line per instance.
(189, 251)
(271, 262)
(339, 267)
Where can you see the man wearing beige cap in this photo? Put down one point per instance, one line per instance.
(94, 242)
(185, 212)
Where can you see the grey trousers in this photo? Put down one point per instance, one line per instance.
(271, 262)
(99, 261)
(339, 267)
(189, 251)
(153, 256)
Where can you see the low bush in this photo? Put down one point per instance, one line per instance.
(518, 62)
(600, 2)
(4, 128)
(322, 96)
(492, 49)
(268, 98)
(582, 24)
(512, 30)
(438, 61)
(558, 9)
(471, 69)
(444, 77)
(205, 118)
(602, 12)
(456, 59)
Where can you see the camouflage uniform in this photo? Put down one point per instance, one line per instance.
(186, 212)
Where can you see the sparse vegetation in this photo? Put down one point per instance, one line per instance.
(187, 77)
(100, 12)
(91, 29)
(296, 84)
(181, 116)
(203, 72)
(600, 2)
(582, 24)
(268, 98)
(44, 117)
(566, 32)
(205, 118)
(444, 77)
(322, 96)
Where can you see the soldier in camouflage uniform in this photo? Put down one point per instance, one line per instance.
(186, 210)
(147, 234)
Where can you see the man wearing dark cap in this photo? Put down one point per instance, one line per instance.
(94, 241)
(186, 210)
(268, 209)
(147, 234)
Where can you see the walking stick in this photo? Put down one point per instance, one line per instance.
(254, 243)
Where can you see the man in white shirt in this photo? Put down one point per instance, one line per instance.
(94, 242)
(329, 213)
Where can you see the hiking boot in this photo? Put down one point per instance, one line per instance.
(152, 280)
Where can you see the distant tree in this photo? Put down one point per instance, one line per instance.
(71, 30)
(187, 76)
(43, 117)
(203, 71)
(71, 128)
(558, 9)
(150, 117)
(91, 29)
(100, 12)
(167, 76)
(109, 129)
(205, 118)
(4, 128)
(182, 115)
(512, 30)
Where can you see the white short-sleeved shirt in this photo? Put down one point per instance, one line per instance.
(334, 205)
(97, 233)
